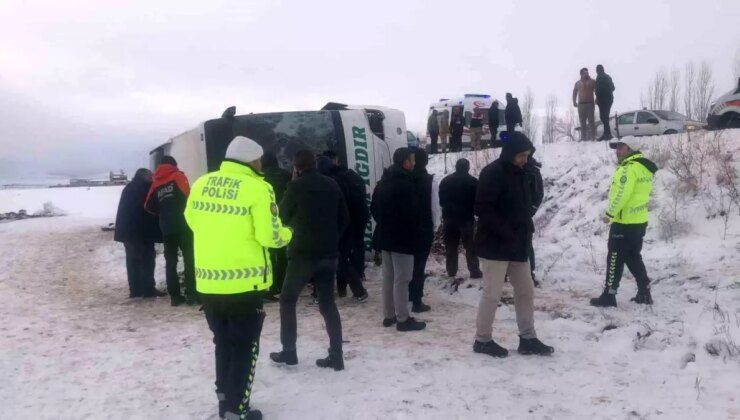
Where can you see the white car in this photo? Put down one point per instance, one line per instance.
(648, 123)
(725, 110)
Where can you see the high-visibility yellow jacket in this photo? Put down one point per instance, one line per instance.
(630, 190)
(234, 219)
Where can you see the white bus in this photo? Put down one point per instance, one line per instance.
(364, 138)
(469, 105)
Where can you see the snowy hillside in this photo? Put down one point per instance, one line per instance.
(74, 346)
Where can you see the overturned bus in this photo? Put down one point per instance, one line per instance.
(363, 137)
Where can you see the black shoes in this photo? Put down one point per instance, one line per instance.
(176, 300)
(419, 307)
(287, 357)
(332, 361)
(410, 325)
(490, 348)
(529, 346)
(342, 293)
(192, 300)
(360, 299)
(153, 294)
(605, 300)
(387, 322)
(251, 415)
(643, 297)
(476, 275)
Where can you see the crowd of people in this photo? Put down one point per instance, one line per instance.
(251, 233)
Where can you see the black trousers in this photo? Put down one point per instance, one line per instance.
(510, 128)
(453, 232)
(456, 143)
(351, 257)
(140, 262)
(604, 111)
(434, 138)
(624, 247)
(183, 242)
(418, 277)
(236, 326)
(300, 271)
(531, 256)
(279, 260)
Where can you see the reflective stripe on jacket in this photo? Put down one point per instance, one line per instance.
(630, 190)
(234, 218)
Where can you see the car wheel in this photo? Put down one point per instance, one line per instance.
(731, 120)
(670, 132)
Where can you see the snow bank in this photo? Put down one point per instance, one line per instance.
(83, 202)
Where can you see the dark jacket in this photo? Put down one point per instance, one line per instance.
(423, 181)
(534, 180)
(503, 205)
(133, 223)
(493, 118)
(604, 89)
(432, 124)
(167, 198)
(355, 195)
(314, 208)
(278, 178)
(457, 197)
(457, 125)
(395, 209)
(512, 113)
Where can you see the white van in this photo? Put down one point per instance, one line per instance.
(725, 110)
(470, 104)
(364, 138)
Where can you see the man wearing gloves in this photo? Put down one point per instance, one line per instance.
(628, 214)
(234, 219)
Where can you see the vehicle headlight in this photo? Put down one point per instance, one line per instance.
(690, 127)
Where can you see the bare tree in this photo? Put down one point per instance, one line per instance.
(529, 120)
(655, 97)
(551, 119)
(674, 89)
(689, 90)
(704, 92)
(565, 127)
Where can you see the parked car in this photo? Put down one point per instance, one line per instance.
(725, 110)
(649, 123)
(411, 139)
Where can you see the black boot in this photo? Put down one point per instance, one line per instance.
(419, 307)
(529, 346)
(475, 274)
(643, 297)
(251, 415)
(192, 300)
(388, 322)
(221, 404)
(410, 325)
(605, 300)
(287, 357)
(490, 348)
(333, 361)
(176, 300)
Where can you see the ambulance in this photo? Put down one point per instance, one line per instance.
(470, 104)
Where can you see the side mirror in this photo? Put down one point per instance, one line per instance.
(653, 120)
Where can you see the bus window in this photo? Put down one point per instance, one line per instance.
(284, 133)
(375, 119)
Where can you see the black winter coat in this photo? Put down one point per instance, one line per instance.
(395, 209)
(503, 204)
(534, 180)
(355, 195)
(493, 118)
(457, 125)
(133, 222)
(512, 113)
(426, 221)
(313, 206)
(604, 89)
(168, 196)
(457, 197)
(278, 178)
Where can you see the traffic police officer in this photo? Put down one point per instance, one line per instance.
(628, 215)
(233, 215)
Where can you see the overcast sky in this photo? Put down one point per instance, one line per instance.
(88, 86)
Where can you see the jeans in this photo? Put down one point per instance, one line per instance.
(433, 136)
(351, 267)
(140, 263)
(300, 271)
(453, 231)
(604, 110)
(182, 241)
(586, 116)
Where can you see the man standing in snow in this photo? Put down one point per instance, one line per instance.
(583, 99)
(423, 181)
(537, 191)
(457, 199)
(476, 129)
(457, 127)
(167, 198)
(503, 205)
(444, 130)
(395, 208)
(278, 179)
(628, 214)
(493, 121)
(314, 207)
(138, 230)
(604, 99)
(433, 130)
(512, 113)
(235, 220)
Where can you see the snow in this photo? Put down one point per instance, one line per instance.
(74, 346)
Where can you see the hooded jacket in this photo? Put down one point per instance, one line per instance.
(604, 89)
(277, 177)
(630, 190)
(424, 193)
(503, 204)
(457, 197)
(395, 208)
(133, 222)
(493, 118)
(512, 113)
(167, 198)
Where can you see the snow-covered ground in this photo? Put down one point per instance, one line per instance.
(74, 346)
